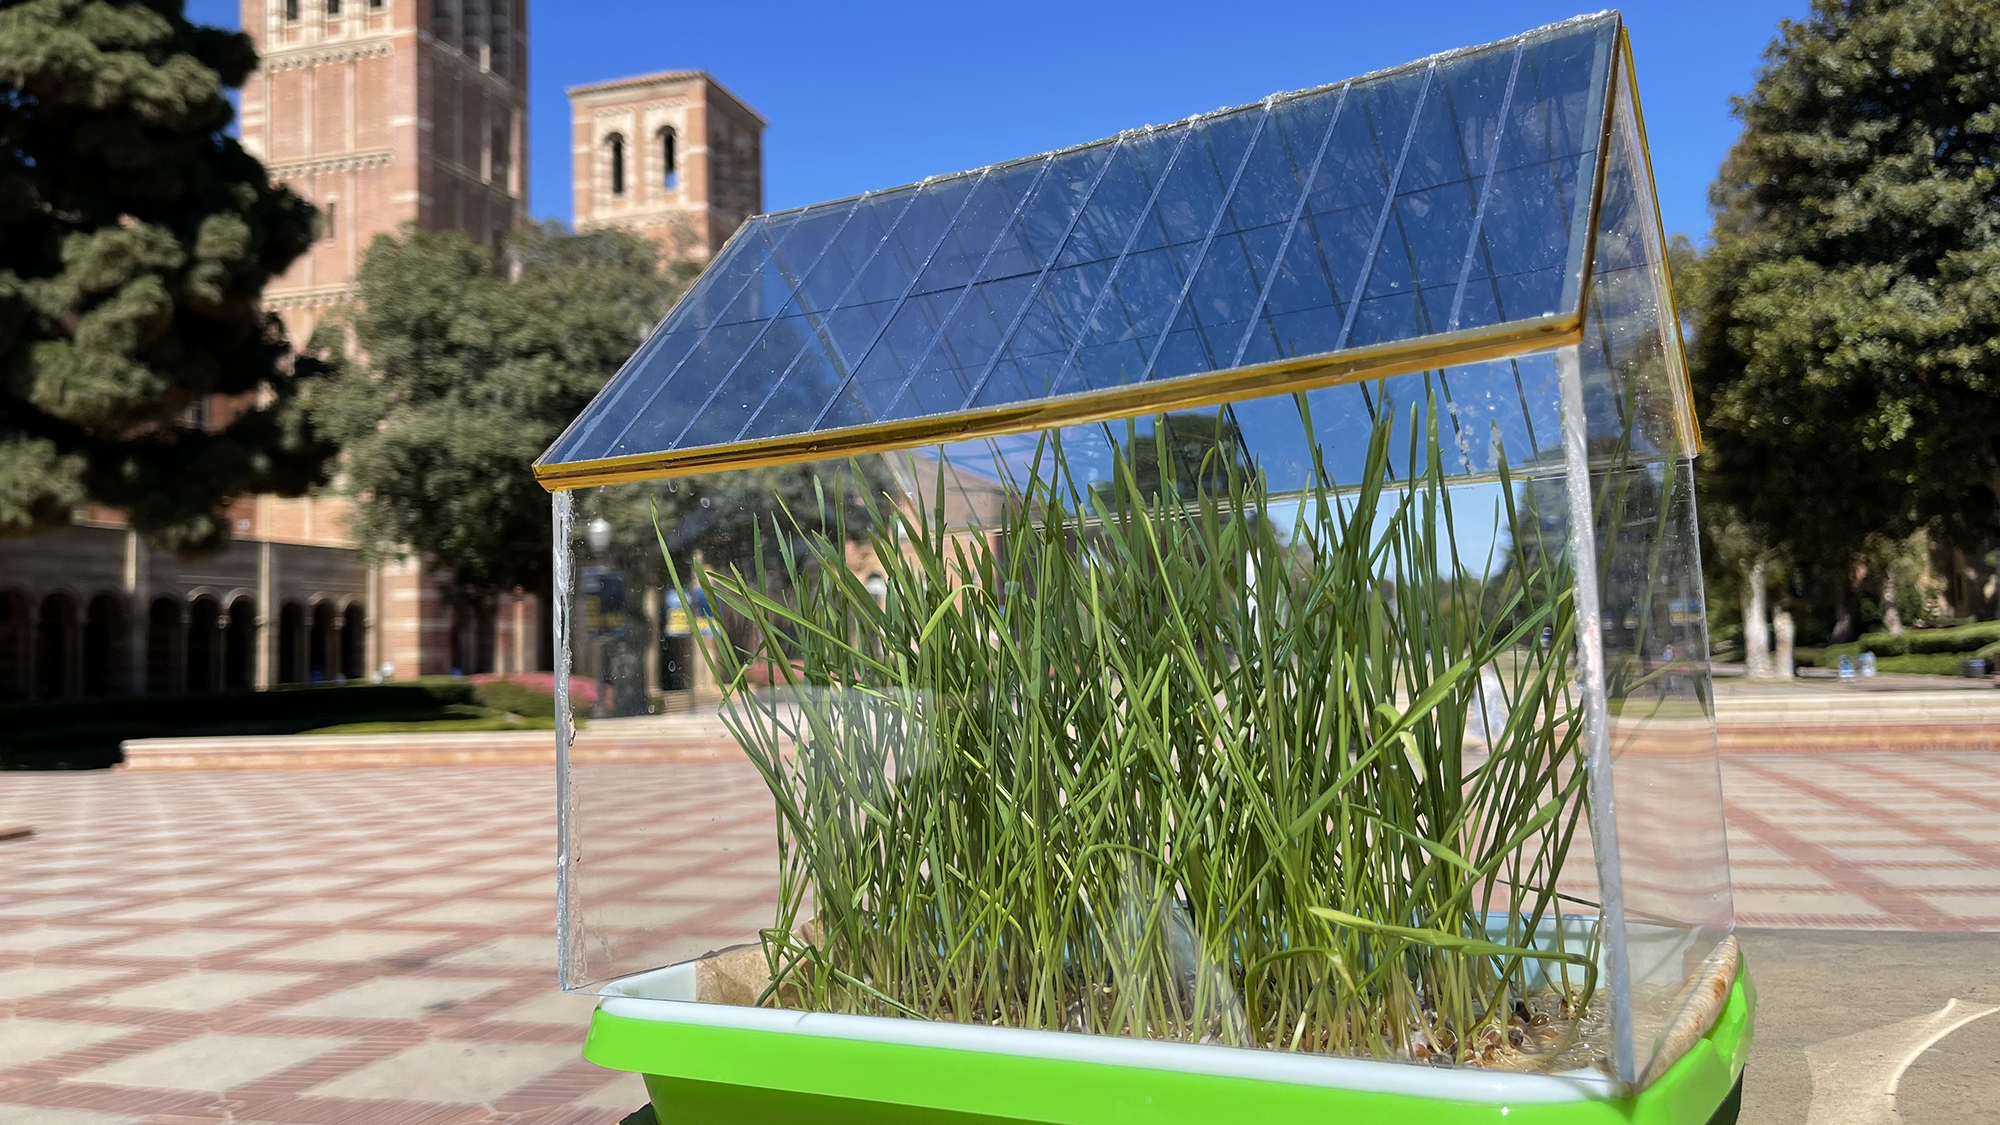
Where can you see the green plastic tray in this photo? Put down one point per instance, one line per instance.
(702, 1072)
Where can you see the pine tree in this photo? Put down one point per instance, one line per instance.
(1846, 342)
(135, 241)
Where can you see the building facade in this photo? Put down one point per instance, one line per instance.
(383, 113)
(386, 113)
(674, 156)
(91, 610)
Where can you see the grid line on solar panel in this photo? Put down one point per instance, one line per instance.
(1208, 239)
(1445, 195)
(693, 315)
(1131, 239)
(612, 402)
(868, 209)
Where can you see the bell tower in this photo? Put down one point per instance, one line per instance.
(674, 156)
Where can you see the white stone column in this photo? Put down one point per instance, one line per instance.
(266, 641)
(139, 612)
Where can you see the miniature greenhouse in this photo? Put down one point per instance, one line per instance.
(1202, 625)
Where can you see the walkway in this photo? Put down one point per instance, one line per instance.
(374, 946)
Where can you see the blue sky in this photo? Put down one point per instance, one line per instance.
(871, 95)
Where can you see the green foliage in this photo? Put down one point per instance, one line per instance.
(469, 376)
(518, 699)
(1962, 641)
(456, 720)
(1847, 318)
(135, 240)
(1180, 764)
(1924, 664)
(732, 518)
(85, 733)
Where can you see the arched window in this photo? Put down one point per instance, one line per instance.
(55, 648)
(204, 645)
(320, 653)
(292, 644)
(616, 143)
(239, 646)
(166, 642)
(104, 671)
(354, 643)
(669, 159)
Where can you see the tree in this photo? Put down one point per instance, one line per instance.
(135, 241)
(1847, 317)
(467, 377)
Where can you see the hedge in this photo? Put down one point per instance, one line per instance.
(85, 733)
(1964, 640)
(1925, 663)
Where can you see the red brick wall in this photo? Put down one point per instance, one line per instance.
(687, 223)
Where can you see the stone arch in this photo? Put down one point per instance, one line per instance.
(614, 155)
(56, 655)
(166, 646)
(204, 644)
(17, 645)
(669, 146)
(354, 641)
(106, 661)
(472, 638)
(239, 644)
(292, 643)
(319, 643)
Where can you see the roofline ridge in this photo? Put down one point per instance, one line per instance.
(667, 76)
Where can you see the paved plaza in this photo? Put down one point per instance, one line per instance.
(375, 946)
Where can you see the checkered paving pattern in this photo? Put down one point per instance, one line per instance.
(375, 947)
(335, 947)
(1865, 840)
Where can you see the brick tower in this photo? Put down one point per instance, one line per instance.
(387, 112)
(674, 156)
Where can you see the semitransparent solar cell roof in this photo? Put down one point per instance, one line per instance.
(1371, 226)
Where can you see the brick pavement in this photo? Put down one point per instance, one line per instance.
(374, 946)
(335, 947)
(1865, 840)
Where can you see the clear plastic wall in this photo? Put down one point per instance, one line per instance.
(1189, 727)
(1368, 721)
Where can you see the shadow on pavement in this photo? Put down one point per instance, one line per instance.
(1819, 986)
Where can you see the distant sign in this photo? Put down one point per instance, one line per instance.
(603, 600)
(683, 621)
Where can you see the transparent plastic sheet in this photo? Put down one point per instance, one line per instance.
(1436, 197)
(815, 825)
(674, 850)
(1659, 728)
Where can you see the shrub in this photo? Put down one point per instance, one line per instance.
(1961, 639)
(520, 699)
(85, 733)
(1925, 664)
